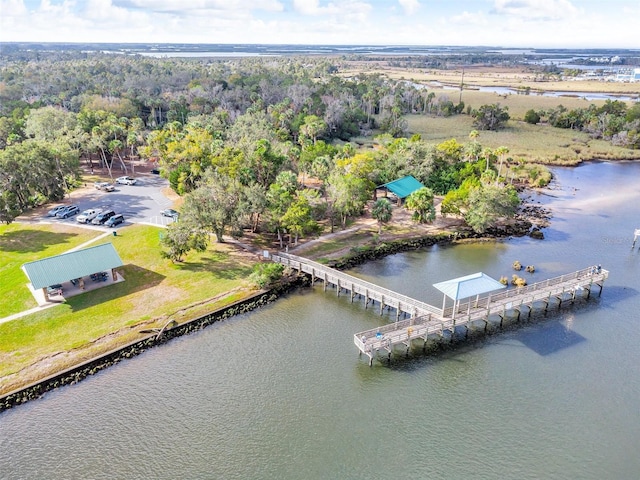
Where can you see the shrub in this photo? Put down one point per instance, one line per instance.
(531, 117)
(264, 274)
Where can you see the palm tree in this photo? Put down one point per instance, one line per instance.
(382, 212)
(421, 202)
(501, 152)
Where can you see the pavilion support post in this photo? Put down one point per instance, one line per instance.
(353, 292)
(366, 298)
(313, 276)
(381, 304)
(324, 286)
(338, 287)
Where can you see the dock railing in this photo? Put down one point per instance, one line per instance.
(349, 282)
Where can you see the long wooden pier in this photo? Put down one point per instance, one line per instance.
(356, 286)
(426, 320)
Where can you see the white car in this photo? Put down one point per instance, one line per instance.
(88, 215)
(126, 180)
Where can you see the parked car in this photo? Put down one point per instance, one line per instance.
(68, 211)
(106, 186)
(54, 211)
(155, 171)
(170, 212)
(103, 217)
(126, 180)
(54, 289)
(115, 220)
(87, 215)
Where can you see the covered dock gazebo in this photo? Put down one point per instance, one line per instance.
(71, 266)
(465, 287)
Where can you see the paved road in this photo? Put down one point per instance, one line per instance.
(139, 203)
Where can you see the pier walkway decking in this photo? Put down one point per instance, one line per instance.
(428, 320)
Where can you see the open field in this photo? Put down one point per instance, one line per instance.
(532, 143)
(490, 76)
(154, 291)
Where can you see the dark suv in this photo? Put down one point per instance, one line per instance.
(115, 220)
(103, 217)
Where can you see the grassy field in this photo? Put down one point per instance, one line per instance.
(491, 76)
(20, 244)
(154, 291)
(532, 143)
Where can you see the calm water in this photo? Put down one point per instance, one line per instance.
(281, 393)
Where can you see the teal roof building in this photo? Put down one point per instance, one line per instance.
(403, 187)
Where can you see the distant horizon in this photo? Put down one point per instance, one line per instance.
(538, 24)
(328, 45)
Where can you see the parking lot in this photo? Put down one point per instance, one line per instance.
(139, 203)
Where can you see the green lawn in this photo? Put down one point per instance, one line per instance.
(20, 244)
(154, 288)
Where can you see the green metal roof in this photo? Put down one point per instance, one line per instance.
(71, 265)
(469, 286)
(403, 187)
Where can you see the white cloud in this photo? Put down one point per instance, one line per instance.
(348, 8)
(519, 23)
(535, 9)
(178, 6)
(409, 6)
(469, 18)
(12, 8)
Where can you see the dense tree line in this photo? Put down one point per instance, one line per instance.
(613, 121)
(240, 140)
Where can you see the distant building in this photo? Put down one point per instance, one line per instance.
(628, 75)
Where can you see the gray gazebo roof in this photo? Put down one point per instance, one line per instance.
(468, 286)
(71, 265)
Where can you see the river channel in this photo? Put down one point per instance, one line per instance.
(281, 393)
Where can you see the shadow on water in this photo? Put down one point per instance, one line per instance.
(542, 333)
(550, 338)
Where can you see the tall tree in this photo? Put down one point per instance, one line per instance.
(382, 211)
(422, 203)
(490, 203)
(214, 204)
(490, 117)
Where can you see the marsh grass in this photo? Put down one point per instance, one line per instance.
(531, 143)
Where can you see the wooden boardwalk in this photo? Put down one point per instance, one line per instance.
(356, 286)
(429, 320)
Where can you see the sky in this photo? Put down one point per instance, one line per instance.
(506, 23)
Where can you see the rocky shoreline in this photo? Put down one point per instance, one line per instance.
(79, 372)
(521, 226)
